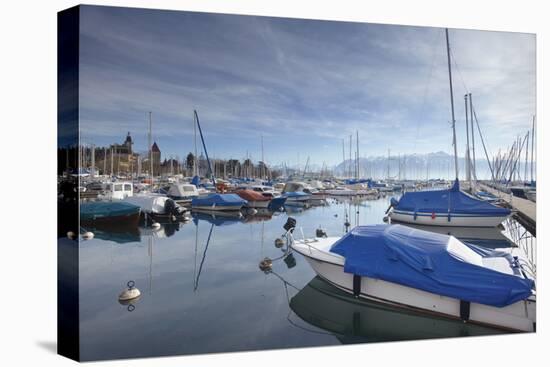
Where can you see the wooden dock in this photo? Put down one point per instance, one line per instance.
(525, 211)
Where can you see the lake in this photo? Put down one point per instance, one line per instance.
(202, 290)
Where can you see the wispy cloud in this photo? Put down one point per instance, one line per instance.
(303, 84)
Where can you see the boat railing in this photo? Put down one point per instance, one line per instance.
(525, 242)
(307, 242)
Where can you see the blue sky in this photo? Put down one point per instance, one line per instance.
(303, 84)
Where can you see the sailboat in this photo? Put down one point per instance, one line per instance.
(449, 207)
(215, 201)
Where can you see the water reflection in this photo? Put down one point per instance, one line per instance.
(354, 320)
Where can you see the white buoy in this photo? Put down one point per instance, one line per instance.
(155, 225)
(70, 235)
(130, 293)
(87, 235)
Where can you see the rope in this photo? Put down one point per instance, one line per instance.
(423, 105)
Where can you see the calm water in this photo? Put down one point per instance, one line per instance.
(202, 290)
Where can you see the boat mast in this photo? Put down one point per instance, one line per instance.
(112, 162)
(195, 168)
(473, 173)
(526, 156)
(150, 137)
(350, 136)
(357, 138)
(467, 156)
(344, 157)
(263, 163)
(93, 161)
(204, 147)
(532, 146)
(452, 101)
(388, 175)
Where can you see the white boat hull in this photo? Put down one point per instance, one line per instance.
(258, 204)
(442, 219)
(298, 199)
(218, 208)
(520, 316)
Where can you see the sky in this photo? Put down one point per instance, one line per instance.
(304, 85)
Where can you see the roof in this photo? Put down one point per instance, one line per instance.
(155, 147)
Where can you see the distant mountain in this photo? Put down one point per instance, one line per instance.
(411, 166)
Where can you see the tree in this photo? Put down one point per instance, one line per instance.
(190, 160)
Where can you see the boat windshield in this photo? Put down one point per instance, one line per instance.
(463, 252)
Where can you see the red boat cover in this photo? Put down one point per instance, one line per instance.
(251, 195)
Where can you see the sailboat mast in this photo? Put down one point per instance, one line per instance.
(532, 146)
(467, 156)
(150, 137)
(344, 157)
(526, 156)
(195, 168)
(452, 101)
(473, 139)
(357, 140)
(263, 162)
(350, 136)
(93, 160)
(204, 147)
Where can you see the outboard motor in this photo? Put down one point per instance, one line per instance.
(290, 224)
(170, 207)
(393, 204)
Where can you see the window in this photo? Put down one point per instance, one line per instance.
(127, 187)
(118, 187)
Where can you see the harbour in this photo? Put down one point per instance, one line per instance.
(197, 278)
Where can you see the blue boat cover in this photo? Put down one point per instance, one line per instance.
(449, 200)
(104, 209)
(422, 260)
(219, 200)
(196, 181)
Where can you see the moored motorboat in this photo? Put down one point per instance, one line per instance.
(218, 202)
(109, 213)
(158, 207)
(341, 191)
(294, 192)
(296, 197)
(426, 272)
(182, 193)
(253, 199)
